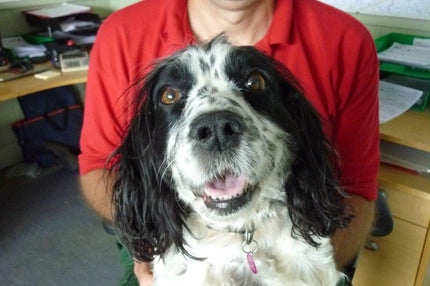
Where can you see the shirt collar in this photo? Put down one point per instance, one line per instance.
(177, 31)
(280, 28)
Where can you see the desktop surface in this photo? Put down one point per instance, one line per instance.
(29, 84)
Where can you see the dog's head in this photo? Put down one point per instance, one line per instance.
(225, 133)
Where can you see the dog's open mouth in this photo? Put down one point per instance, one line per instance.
(226, 194)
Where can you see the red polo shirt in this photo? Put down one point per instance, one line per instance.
(330, 53)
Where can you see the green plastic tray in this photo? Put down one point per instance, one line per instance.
(386, 41)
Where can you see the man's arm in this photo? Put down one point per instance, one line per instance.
(348, 242)
(97, 189)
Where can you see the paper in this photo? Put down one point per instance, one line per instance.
(64, 9)
(408, 55)
(47, 74)
(418, 42)
(23, 49)
(72, 25)
(395, 99)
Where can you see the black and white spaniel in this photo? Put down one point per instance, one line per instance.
(225, 177)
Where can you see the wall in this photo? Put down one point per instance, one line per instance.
(115, 4)
(381, 25)
(12, 22)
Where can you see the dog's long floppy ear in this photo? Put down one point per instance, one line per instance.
(147, 215)
(314, 197)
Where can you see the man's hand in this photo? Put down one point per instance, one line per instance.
(142, 270)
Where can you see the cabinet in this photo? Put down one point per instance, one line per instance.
(404, 255)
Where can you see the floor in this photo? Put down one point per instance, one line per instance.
(48, 236)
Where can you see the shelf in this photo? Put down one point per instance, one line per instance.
(415, 185)
(410, 129)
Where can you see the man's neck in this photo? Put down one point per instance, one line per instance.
(245, 22)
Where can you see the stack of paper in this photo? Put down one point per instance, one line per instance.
(416, 56)
(421, 42)
(72, 24)
(62, 10)
(395, 99)
(22, 49)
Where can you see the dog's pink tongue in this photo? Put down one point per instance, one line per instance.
(228, 186)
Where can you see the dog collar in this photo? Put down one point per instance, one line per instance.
(249, 246)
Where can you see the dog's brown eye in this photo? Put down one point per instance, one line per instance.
(256, 82)
(170, 95)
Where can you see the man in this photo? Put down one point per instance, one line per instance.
(330, 53)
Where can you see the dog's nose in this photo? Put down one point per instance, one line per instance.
(217, 131)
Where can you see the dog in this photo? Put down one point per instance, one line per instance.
(224, 176)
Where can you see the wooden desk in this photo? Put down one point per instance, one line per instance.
(29, 84)
(403, 256)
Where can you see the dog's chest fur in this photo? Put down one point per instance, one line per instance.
(280, 259)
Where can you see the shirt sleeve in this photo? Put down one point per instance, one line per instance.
(105, 114)
(357, 123)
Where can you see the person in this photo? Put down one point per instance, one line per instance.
(331, 54)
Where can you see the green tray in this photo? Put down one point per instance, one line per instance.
(386, 41)
(36, 39)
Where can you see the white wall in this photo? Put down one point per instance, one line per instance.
(118, 4)
(381, 25)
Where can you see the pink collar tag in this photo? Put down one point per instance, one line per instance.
(251, 262)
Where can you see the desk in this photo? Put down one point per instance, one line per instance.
(403, 256)
(29, 84)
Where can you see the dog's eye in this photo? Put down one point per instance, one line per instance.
(170, 95)
(256, 82)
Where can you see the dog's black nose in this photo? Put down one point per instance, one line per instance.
(217, 131)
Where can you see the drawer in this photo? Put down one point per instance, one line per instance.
(406, 206)
(396, 261)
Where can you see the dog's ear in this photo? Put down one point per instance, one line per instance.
(314, 197)
(147, 215)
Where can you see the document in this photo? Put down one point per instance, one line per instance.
(418, 42)
(22, 49)
(408, 55)
(71, 25)
(64, 9)
(395, 99)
